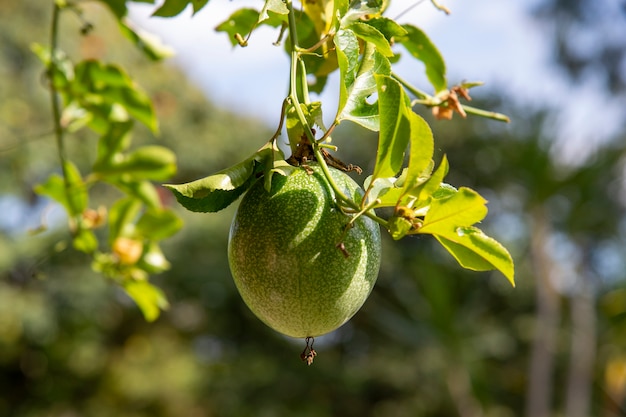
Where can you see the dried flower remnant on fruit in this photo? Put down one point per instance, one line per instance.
(308, 354)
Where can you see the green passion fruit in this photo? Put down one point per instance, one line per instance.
(296, 264)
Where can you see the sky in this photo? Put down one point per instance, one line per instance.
(497, 42)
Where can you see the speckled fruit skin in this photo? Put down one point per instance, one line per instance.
(283, 255)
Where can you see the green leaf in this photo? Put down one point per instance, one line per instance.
(359, 10)
(241, 22)
(399, 227)
(78, 196)
(171, 8)
(217, 191)
(428, 188)
(148, 43)
(136, 102)
(54, 188)
(153, 261)
(370, 34)
(476, 251)
(422, 146)
(347, 45)
(395, 127)
(420, 46)
(118, 7)
(464, 208)
(72, 195)
(276, 7)
(198, 5)
(388, 27)
(85, 241)
(148, 298)
(358, 80)
(111, 95)
(122, 215)
(147, 162)
(450, 220)
(378, 188)
(158, 224)
(75, 116)
(444, 190)
(62, 72)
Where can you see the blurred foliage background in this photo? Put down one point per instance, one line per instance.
(432, 340)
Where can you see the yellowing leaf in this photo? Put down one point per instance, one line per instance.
(476, 251)
(464, 208)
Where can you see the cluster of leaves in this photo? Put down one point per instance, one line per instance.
(356, 39)
(104, 99)
(324, 36)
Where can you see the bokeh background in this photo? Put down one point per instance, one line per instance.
(433, 339)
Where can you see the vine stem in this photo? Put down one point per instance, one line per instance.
(59, 132)
(294, 78)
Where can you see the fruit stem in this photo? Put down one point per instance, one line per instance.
(300, 76)
(340, 197)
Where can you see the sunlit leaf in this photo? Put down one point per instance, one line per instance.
(148, 298)
(428, 188)
(119, 7)
(421, 148)
(276, 7)
(153, 259)
(359, 10)
(465, 208)
(370, 34)
(171, 8)
(395, 127)
(241, 22)
(149, 43)
(420, 46)
(347, 45)
(358, 80)
(388, 27)
(217, 191)
(398, 227)
(476, 251)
